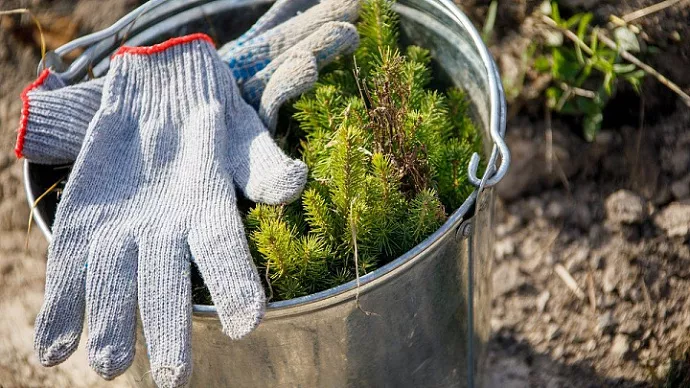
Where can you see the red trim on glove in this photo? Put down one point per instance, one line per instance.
(156, 48)
(24, 118)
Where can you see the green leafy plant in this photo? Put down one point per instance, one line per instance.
(387, 159)
(584, 72)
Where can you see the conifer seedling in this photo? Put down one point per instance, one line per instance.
(387, 159)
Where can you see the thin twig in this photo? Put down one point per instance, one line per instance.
(592, 291)
(353, 231)
(578, 91)
(640, 13)
(550, 156)
(268, 280)
(19, 11)
(33, 207)
(549, 139)
(647, 298)
(623, 53)
(569, 34)
(638, 144)
(569, 281)
(648, 69)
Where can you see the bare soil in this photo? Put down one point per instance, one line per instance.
(22, 270)
(612, 215)
(628, 252)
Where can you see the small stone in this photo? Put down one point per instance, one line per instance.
(634, 294)
(681, 188)
(636, 345)
(630, 326)
(626, 39)
(625, 207)
(620, 347)
(576, 257)
(610, 279)
(510, 223)
(550, 259)
(606, 323)
(675, 219)
(507, 278)
(552, 332)
(662, 312)
(647, 334)
(663, 368)
(555, 210)
(662, 196)
(581, 216)
(675, 36)
(558, 352)
(504, 248)
(542, 300)
(597, 262)
(509, 372)
(680, 162)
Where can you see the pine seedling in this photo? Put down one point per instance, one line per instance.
(387, 158)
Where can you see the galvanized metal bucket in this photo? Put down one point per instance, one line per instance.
(424, 318)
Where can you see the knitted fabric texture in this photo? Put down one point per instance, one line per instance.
(154, 186)
(251, 56)
(324, 44)
(54, 118)
(279, 12)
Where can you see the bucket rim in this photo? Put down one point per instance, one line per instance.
(348, 291)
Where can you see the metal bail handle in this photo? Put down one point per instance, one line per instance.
(492, 175)
(53, 59)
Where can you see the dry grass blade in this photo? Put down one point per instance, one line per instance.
(647, 299)
(623, 53)
(33, 207)
(353, 230)
(647, 69)
(268, 280)
(591, 291)
(20, 11)
(640, 13)
(569, 281)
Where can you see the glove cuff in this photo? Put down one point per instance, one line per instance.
(160, 47)
(54, 119)
(24, 118)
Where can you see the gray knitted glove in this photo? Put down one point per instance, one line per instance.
(54, 118)
(251, 53)
(153, 186)
(279, 12)
(302, 62)
(54, 123)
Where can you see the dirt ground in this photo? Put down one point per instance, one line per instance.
(627, 251)
(613, 215)
(21, 270)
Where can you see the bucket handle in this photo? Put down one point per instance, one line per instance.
(54, 58)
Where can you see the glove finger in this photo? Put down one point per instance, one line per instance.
(259, 167)
(325, 44)
(165, 305)
(255, 54)
(111, 297)
(279, 12)
(220, 249)
(294, 77)
(59, 322)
